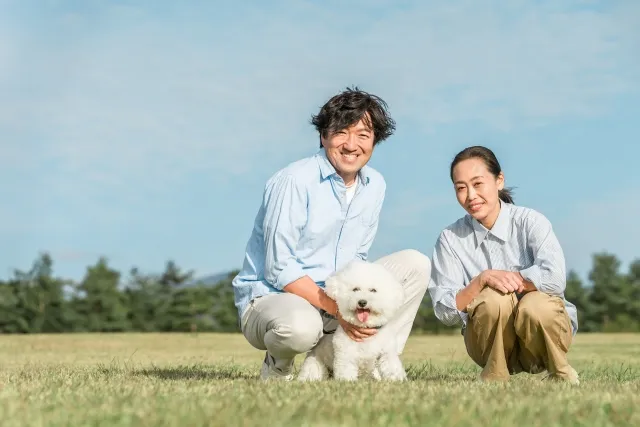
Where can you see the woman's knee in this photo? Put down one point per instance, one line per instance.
(537, 309)
(491, 306)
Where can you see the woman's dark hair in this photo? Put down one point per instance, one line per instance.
(490, 160)
(349, 107)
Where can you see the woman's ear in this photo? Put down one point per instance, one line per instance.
(500, 181)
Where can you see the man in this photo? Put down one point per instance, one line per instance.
(317, 214)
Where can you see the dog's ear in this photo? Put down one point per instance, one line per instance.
(331, 287)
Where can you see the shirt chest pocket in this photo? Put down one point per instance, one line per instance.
(327, 229)
(356, 227)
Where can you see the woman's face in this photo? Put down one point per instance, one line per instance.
(477, 190)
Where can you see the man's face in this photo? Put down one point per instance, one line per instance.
(348, 150)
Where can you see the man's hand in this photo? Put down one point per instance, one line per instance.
(307, 289)
(503, 281)
(354, 332)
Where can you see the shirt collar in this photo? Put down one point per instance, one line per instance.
(500, 228)
(327, 170)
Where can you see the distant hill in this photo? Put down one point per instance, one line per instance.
(210, 280)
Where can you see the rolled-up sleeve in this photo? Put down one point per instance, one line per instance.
(548, 272)
(285, 216)
(446, 281)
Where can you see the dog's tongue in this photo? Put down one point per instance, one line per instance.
(363, 315)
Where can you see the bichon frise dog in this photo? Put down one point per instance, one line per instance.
(368, 296)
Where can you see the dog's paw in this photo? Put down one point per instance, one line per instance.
(312, 370)
(308, 378)
(398, 377)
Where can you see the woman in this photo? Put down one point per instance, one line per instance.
(500, 270)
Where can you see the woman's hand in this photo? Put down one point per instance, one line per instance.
(503, 281)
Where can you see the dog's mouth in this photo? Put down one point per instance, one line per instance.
(363, 314)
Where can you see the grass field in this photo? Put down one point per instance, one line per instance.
(210, 379)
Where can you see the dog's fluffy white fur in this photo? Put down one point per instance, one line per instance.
(368, 296)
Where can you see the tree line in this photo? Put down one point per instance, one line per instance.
(38, 301)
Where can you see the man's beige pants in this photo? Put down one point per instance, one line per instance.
(286, 325)
(506, 336)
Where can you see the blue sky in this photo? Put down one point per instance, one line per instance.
(144, 131)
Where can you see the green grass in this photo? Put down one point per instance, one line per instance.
(210, 379)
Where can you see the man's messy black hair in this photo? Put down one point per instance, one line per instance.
(349, 107)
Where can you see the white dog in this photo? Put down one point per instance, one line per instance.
(368, 296)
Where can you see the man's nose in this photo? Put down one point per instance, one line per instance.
(352, 142)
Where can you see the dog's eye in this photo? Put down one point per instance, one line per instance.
(356, 289)
(373, 290)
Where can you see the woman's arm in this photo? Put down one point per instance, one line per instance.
(447, 281)
(548, 272)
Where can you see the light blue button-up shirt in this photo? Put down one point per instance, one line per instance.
(522, 239)
(306, 227)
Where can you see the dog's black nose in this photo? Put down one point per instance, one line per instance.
(362, 303)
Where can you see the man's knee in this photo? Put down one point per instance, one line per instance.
(416, 260)
(409, 265)
(491, 306)
(299, 331)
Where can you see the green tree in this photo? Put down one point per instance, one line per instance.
(101, 306)
(173, 275)
(147, 301)
(633, 279)
(577, 294)
(35, 300)
(224, 312)
(426, 321)
(610, 295)
(190, 310)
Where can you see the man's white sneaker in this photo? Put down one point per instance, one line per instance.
(270, 372)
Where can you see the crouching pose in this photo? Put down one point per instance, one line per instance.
(368, 296)
(500, 270)
(316, 216)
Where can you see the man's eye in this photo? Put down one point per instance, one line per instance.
(356, 289)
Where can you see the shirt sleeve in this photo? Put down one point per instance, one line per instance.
(367, 241)
(548, 272)
(446, 281)
(285, 206)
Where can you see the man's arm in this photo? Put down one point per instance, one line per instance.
(285, 205)
(285, 216)
(306, 288)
